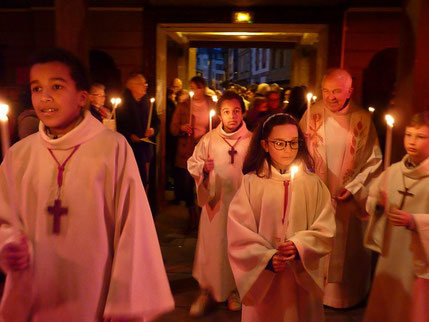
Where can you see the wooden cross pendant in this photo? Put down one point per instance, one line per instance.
(404, 194)
(232, 152)
(57, 211)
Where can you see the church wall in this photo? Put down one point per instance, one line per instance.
(366, 34)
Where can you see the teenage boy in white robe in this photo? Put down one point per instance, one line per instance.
(280, 227)
(399, 231)
(216, 167)
(77, 239)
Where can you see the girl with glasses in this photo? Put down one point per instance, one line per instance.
(280, 227)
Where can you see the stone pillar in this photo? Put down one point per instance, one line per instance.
(72, 28)
(412, 90)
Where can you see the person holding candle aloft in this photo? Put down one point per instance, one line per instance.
(77, 239)
(280, 229)
(190, 121)
(216, 167)
(132, 119)
(343, 142)
(398, 229)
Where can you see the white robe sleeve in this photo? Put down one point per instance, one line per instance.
(369, 167)
(205, 186)
(420, 238)
(17, 293)
(138, 286)
(249, 253)
(316, 241)
(374, 235)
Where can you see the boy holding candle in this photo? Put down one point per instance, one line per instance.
(77, 239)
(398, 230)
(216, 166)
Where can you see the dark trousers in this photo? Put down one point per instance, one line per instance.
(184, 186)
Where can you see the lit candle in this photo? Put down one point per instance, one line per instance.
(309, 98)
(293, 171)
(371, 109)
(149, 118)
(191, 94)
(388, 146)
(214, 98)
(4, 120)
(314, 98)
(211, 114)
(115, 102)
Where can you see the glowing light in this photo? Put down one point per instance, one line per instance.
(152, 100)
(293, 171)
(242, 17)
(191, 94)
(389, 120)
(4, 109)
(214, 99)
(309, 97)
(371, 109)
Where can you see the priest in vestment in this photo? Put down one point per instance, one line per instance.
(255, 231)
(343, 143)
(105, 259)
(226, 146)
(399, 231)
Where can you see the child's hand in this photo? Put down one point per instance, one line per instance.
(279, 263)
(343, 195)
(208, 165)
(134, 138)
(15, 256)
(149, 132)
(187, 128)
(401, 218)
(288, 250)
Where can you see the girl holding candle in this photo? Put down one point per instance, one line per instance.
(279, 229)
(216, 166)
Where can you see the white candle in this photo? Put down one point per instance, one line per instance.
(309, 98)
(388, 146)
(4, 120)
(191, 94)
(212, 113)
(149, 118)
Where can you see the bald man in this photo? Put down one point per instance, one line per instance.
(343, 142)
(132, 118)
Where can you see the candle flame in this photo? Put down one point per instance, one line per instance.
(214, 98)
(191, 94)
(115, 101)
(293, 171)
(152, 100)
(309, 97)
(371, 109)
(212, 113)
(314, 98)
(4, 109)
(390, 120)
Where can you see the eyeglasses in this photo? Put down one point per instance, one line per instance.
(282, 144)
